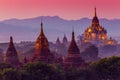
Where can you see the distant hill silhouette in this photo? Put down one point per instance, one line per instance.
(54, 26)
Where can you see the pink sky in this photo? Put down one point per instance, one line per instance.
(67, 9)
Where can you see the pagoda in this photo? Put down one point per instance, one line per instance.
(73, 58)
(11, 56)
(58, 43)
(65, 41)
(42, 52)
(95, 33)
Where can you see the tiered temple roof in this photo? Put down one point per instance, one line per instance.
(42, 52)
(65, 41)
(95, 32)
(73, 56)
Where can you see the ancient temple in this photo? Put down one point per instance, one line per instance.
(111, 41)
(11, 56)
(42, 52)
(95, 32)
(73, 57)
(65, 41)
(58, 43)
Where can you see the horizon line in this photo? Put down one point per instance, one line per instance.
(55, 16)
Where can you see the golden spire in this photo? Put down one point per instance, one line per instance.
(42, 51)
(95, 12)
(95, 20)
(41, 41)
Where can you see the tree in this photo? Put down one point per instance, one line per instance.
(4, 65)
(41, 71)
(25, 75)
(10, 74)
(79, 74)
(107, 68)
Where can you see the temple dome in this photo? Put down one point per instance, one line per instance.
(42, 51)
(42, 41)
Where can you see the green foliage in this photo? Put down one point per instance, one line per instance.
(107, 68)
(10, 74)
(79, 74)
(3, 66)
(41, 71)
(25, 75)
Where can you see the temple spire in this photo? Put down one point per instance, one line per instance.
(65, 40)
(41, 26)
(58, 41)
(11, 42)
(73, 57)
(11, 56)
(41, 30)
(95, 12)
(73, 34)
(11, 39)
(42, 51)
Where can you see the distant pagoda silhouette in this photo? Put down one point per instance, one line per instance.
(11, 56)
(58, 43)
(42, 51)
(73, 56)
(65, 41)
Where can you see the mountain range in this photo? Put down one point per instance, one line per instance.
(54, 26)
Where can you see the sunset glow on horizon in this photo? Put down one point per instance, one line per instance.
(67, 9)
